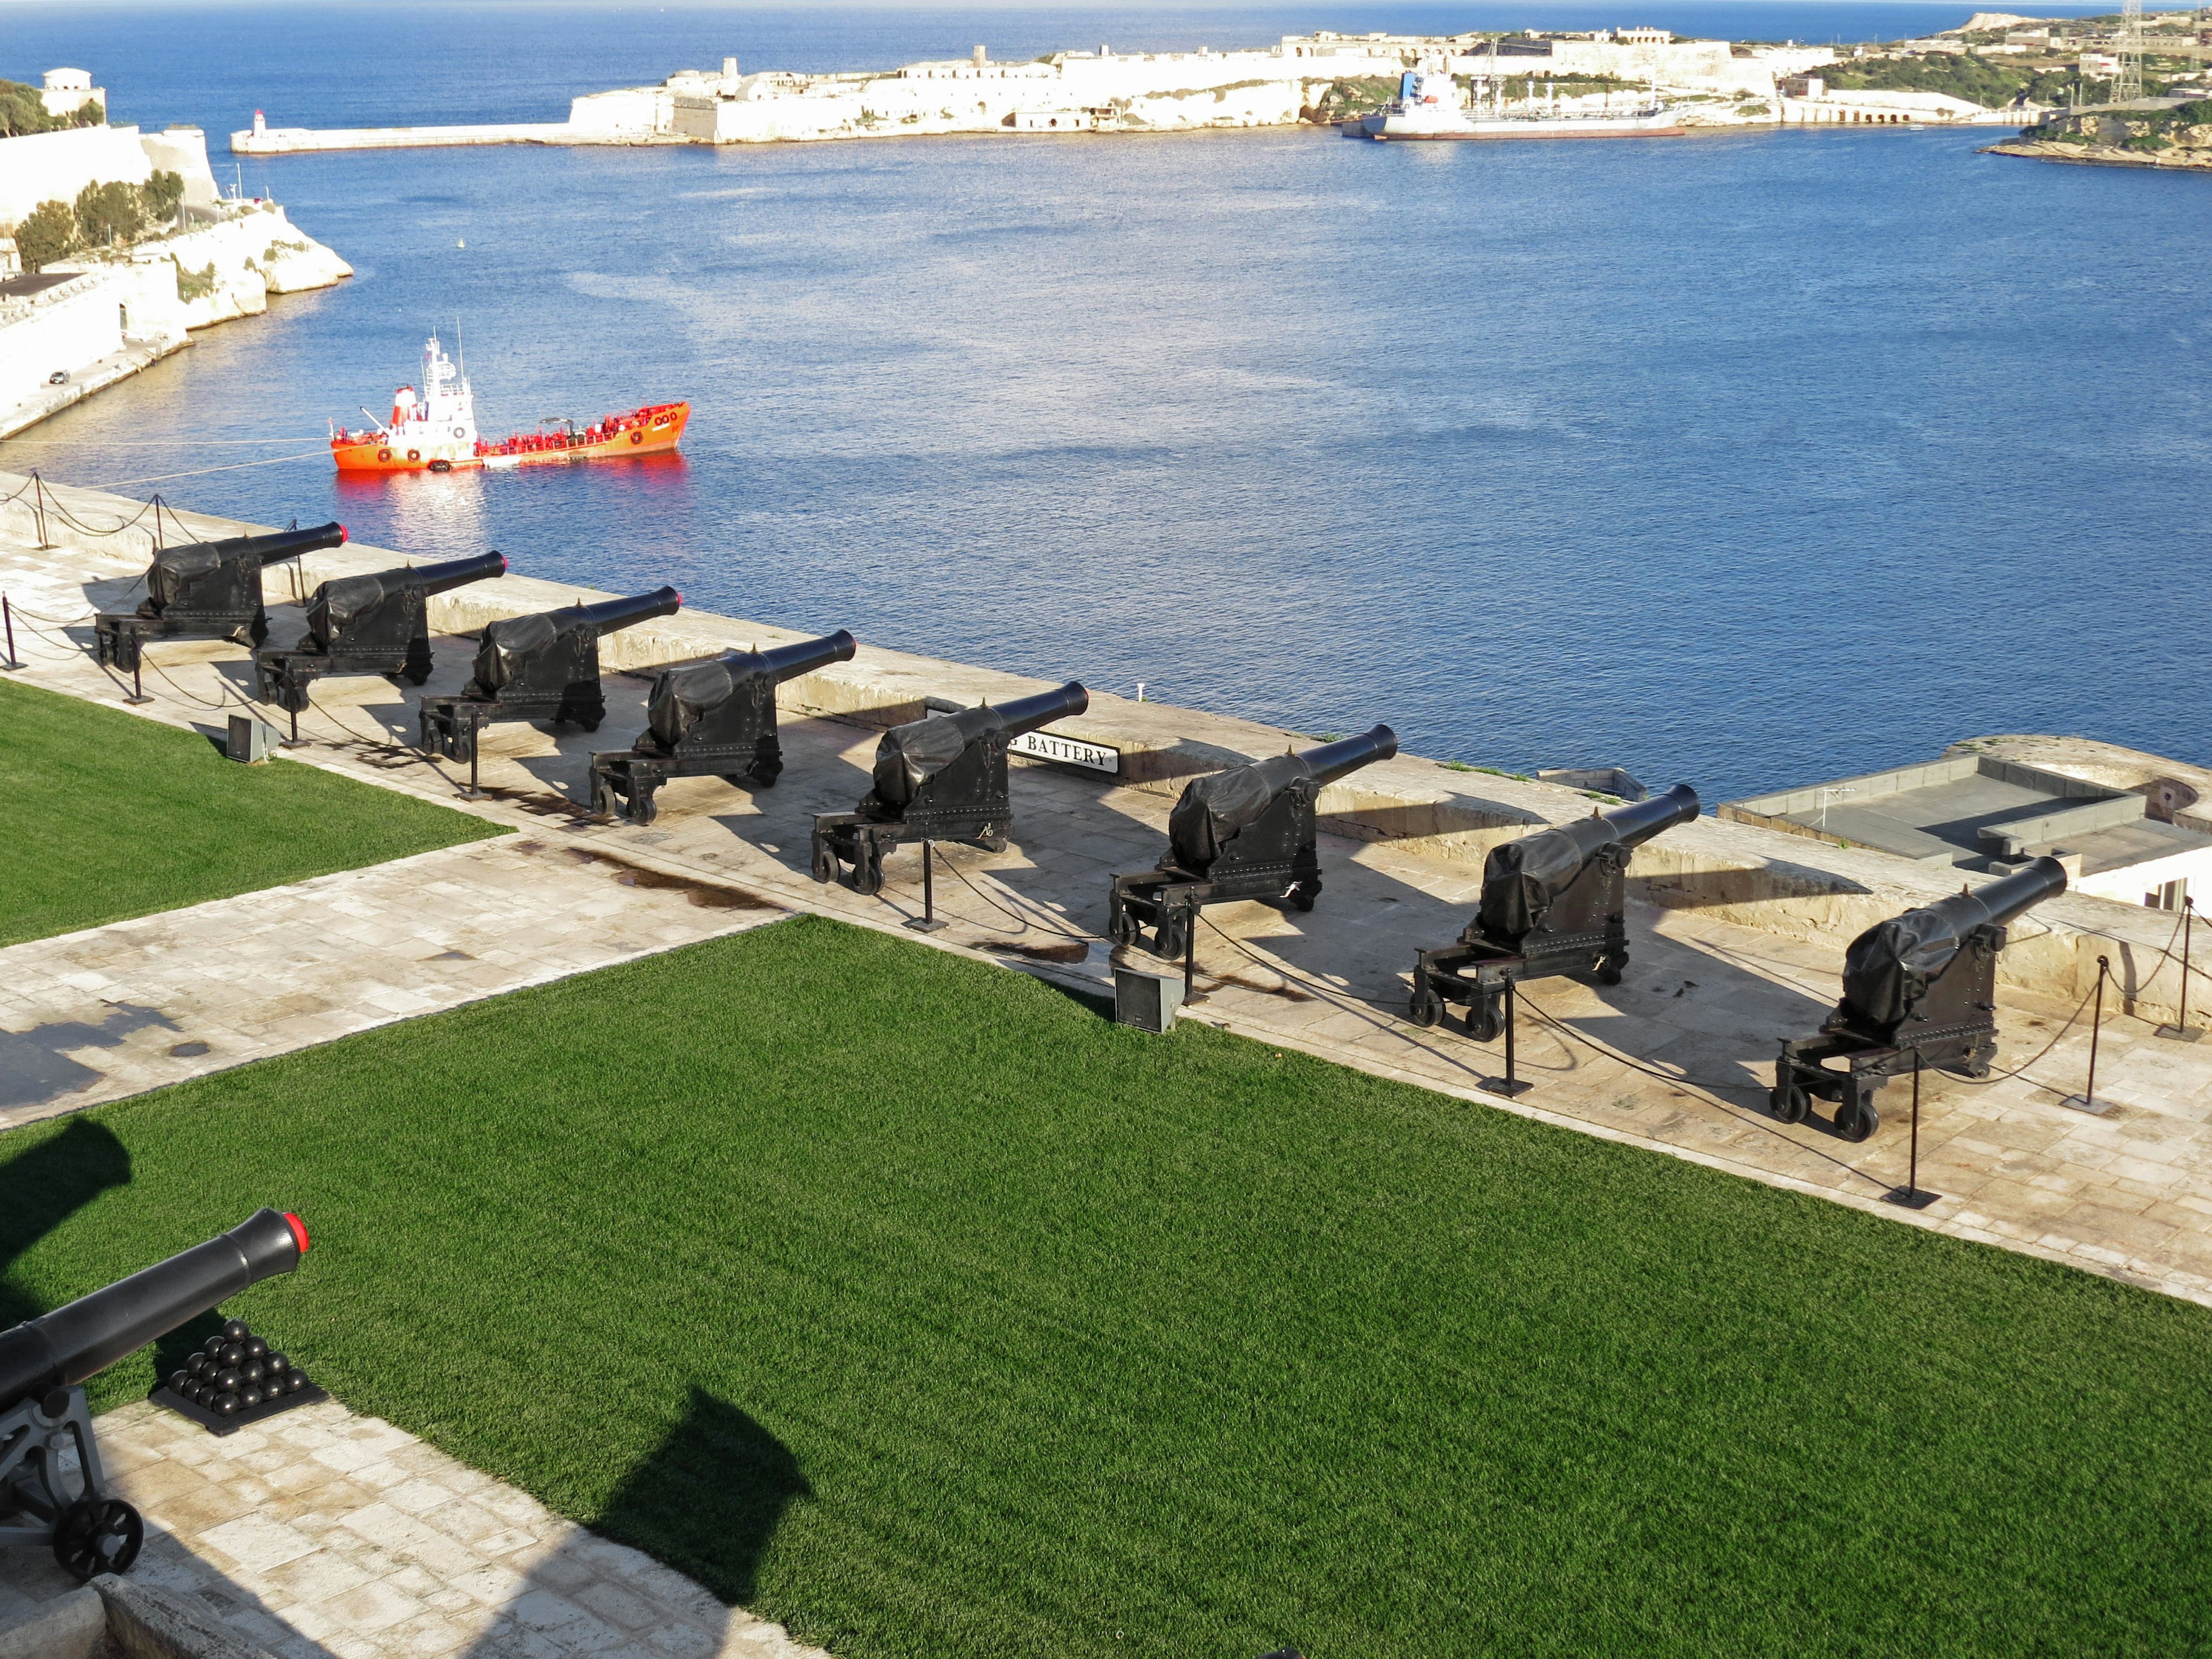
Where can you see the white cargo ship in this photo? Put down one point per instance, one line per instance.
(1427, 106)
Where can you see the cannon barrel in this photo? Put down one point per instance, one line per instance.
(1334, 760)
(608, 615)
(788, 662)
(1999, 901)
(269, 549)
(1639, 821)
(92, 1333)
(1027, 713)
(453, 572)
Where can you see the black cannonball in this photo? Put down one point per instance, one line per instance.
(231, 1352)
(178, 1380)
(255, 1347)
(229, 1378)
(294, 1380)
(233, 1330)
(277, 1363)
(249, 1397)
(196, 1367)
(212, 1346)
(225, 1404)
(253, 1371)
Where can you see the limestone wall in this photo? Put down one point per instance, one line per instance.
(1754, 876)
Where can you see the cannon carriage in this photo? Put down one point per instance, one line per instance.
(941, 778)
(710, 718)
(1552, 902)
(1249, 833)
(540, 667)
(50, 1478)
(205, 591)
(1919, 990)
(378, 623)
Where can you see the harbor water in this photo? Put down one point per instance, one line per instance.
(1751, 459)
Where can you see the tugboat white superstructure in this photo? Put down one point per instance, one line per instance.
(1428, 106)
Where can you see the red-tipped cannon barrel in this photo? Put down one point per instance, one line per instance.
(1522, 879)
(383, 609)
(609, 616)
(176, 569)
(92, 1333)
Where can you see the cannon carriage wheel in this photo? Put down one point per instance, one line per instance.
(1486, 1017)
(1610, 968)
(867, 866)
(1857, 1118)
(1425, 1008)
(1787, 1101)
(1303, 893)
(822, 863)
(95, 1535)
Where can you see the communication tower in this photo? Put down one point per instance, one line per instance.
(2127, 85)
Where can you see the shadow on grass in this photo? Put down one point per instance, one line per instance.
(43, 1189)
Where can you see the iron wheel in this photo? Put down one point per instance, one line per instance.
(96, 1535)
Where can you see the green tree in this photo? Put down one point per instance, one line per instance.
(22, 110)
(160, 195)
(108, 214)
(48, 233)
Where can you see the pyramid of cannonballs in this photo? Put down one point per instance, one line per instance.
(235, 1372)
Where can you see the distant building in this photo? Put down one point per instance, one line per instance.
(1984, 814)
(69, 90)
(1645, 37)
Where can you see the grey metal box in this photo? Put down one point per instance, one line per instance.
(250, 739)
(1147, 1001)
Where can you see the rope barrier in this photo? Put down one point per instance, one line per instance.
(202, 472)
(1027, 923)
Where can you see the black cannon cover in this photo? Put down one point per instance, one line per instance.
(910, 755)
(92, 1333)
(509, 643)
(177, 570)
(1521, 878)
(340, 603)
(682, 697)
(1888, 967)
(1213, 810)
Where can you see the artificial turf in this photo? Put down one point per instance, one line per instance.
(909, 1301)
(104, 816)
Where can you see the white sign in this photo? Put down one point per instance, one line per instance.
(1069, 751)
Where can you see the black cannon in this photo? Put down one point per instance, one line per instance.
(542, 667)
(711, 719)
(1246, 833)
(1552, 902)
(941, 778)
(1919, 989)
(379, 623)
(205, 591)
(43, 1361)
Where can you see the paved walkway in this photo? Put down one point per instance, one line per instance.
(324, 1536)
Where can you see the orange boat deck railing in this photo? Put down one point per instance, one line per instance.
(604, 431)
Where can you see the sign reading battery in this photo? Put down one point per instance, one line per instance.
(1068, 751)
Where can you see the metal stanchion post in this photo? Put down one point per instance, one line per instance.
(1509, 1085)
(2087, 1100)
(8, 611)
(294, 741)
(1189, 953)
(2181, 1031)
(137, 682)
(926, 922)
(476, 741)
(1910, 1195)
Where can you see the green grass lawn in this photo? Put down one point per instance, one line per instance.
(912, 1303)
(105, 816)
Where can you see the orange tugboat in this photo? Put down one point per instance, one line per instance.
(436, 431)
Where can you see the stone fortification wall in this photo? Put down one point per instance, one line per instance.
(53, 166)
(1759, 877)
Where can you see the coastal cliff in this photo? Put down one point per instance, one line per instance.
(2150, 132)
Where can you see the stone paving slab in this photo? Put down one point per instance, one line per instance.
(319, 1534)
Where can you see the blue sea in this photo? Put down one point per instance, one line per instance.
(1751, 460)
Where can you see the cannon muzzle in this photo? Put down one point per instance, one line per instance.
(788, 662)
(1028, 713)
(1332, 761)
(1998, 902)
(608, 614)
(67, 1346)
(1639, 821)
(453, 572)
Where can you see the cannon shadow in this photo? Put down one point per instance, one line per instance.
(42, 1189)
(706, 1502)
(36, 1068)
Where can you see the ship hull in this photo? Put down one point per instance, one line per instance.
(654, 430)
(1388, 129)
